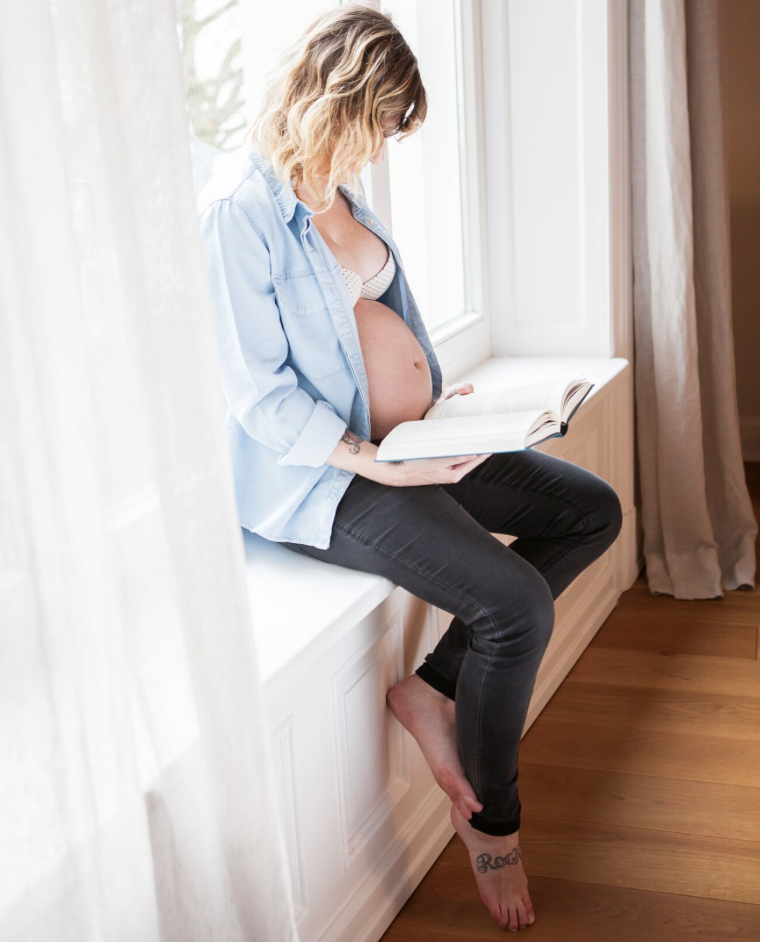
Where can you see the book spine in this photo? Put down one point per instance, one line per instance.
(544, 439)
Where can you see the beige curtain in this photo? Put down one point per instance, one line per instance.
(699, 527)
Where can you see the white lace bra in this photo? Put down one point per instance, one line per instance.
(376, 285)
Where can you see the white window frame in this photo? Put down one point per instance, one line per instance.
(585, 275)
(466, 340)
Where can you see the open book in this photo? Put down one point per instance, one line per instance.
(482, 423)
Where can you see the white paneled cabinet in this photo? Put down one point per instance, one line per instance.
(362, 815)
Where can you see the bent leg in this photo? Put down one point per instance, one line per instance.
(564, 518)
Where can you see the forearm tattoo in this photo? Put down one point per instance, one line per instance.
(484, 860)
(353, 440)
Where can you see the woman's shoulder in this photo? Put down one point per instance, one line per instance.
(237, 177)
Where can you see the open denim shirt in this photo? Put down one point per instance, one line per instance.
(291, 366)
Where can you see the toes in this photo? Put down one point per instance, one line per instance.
(508, 917)
(522, 914)
(529, 914)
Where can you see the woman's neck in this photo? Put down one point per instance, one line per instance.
(306, 196)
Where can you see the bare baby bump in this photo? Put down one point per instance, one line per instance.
(398, 373)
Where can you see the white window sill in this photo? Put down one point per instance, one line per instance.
(300, 604)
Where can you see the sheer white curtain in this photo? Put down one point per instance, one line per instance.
(136, 794)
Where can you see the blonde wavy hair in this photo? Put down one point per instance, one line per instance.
(326, 105)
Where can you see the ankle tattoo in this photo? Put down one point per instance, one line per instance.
(484, 860)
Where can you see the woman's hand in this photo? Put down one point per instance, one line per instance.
(429, 470)
(425, 470)
(458, 389)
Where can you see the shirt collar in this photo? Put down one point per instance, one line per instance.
(283, 193)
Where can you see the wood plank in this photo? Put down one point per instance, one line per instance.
(648, 752)
(665, 861)
(447, 908)
(647, 801)
(682, 672)
(667, 710)
(625, 629)
(735, 608)
(637, 858)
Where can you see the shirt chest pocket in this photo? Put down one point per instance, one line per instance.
(314, 345)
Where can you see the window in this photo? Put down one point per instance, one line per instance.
(210, 39)
(211, 46)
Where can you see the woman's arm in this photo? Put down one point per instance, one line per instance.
(353, 453)
(358, 455)
(260, 389)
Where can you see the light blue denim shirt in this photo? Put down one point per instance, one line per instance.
(291, 366)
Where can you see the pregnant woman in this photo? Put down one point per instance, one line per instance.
(322, 352)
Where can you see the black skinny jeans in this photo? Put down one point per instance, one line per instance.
(436, 540)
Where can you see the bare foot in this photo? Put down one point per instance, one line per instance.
(499, 873)
(429, 717)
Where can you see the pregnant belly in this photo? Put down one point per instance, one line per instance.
(398, 373)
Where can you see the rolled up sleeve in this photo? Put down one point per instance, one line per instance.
(261, 389)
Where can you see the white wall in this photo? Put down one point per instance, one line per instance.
(555, 144)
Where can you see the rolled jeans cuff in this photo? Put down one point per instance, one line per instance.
(496, 828)
(436, 680)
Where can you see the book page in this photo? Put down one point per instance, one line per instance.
(575, 394)
(545, 396)
(459, 428)
(463, 436)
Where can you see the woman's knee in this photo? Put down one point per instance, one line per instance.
(606, 519)
(539, 601)
(522, 614)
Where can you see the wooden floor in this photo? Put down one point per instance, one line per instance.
(640, 786)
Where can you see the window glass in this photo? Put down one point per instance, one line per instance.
(426, 193)
(210, 39)
(211, 43)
